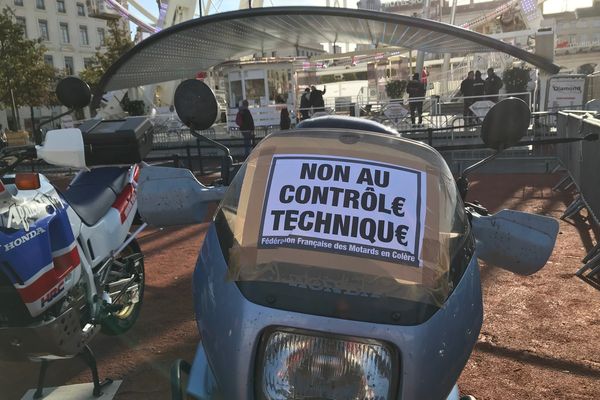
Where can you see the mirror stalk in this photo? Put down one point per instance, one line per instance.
(69, 111)
(226, 161)
(38, 130)
(463, 182)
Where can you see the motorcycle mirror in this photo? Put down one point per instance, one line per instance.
(515, 241)
(173, 196)
(196, 104)
(72, 93)
(505, 124)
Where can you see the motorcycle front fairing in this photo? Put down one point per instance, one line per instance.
(339, 238)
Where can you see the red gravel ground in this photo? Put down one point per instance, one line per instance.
(539, 338)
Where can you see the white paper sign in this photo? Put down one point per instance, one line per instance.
(481, 108)
(348, 206)
(395, 111)
(565, 92)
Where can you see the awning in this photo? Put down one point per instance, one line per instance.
(182, 50)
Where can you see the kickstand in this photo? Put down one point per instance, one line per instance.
(88, 357)
(39, 392)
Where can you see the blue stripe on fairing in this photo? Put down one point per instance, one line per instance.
(32, 255)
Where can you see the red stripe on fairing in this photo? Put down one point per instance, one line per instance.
(125, 201)
(58, 253)
(62, 266)
(65, 263)
(136, 173)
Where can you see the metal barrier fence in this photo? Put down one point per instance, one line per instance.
(582, 159)
(183, 149)
(582, 163)
(437, 112)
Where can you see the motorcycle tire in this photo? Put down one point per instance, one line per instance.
(119, 322)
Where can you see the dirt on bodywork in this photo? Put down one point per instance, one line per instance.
(539, 339)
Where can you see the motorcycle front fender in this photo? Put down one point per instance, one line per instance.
(202, 384)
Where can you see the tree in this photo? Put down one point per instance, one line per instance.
(587, 69)
(516, 79)
(25, 78)
(118, 42)
(395, 89)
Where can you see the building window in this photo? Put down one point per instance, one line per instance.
(43, 27)
(49, 60)
(69, 67)
(83, 36)
(101, 36)
(60, 6)
(80, 9)
(87, 62)
(18, 2)
(64, 33)
(23, 24)
(40, 4)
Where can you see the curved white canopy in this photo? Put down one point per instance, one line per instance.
(182, 50)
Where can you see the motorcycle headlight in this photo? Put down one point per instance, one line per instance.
(310, 365)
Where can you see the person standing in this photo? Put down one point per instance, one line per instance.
(493, 84)
(478, 86)
(466, 88)
(416, 92)
(284, 116)
(316, 99)
(245, 121)
(284, 119)
(305, 104)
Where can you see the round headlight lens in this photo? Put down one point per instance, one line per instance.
(307, 366)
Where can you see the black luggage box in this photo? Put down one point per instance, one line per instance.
(123, 141)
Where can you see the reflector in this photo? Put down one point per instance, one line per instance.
(27, 180)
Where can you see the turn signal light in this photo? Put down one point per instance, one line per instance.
(27, 181)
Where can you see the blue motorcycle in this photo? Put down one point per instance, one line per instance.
(341, 262)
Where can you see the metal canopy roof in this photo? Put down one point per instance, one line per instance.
(182, 50)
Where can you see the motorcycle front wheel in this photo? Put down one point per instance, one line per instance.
(125, 287)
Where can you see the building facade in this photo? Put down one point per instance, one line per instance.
(70, 35)
(577, 31)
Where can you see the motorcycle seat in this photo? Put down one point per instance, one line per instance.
(92, 193)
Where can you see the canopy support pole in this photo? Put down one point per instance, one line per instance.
(421, 54)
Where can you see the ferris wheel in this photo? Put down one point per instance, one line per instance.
(170, 12)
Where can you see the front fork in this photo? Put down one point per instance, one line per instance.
(203, 386)
(96, 281)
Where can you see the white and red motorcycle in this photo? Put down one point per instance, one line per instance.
(69, 264)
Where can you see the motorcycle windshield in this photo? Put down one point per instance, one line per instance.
(346, 213)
